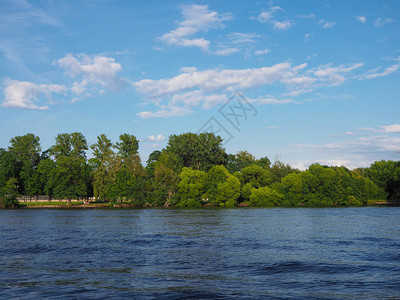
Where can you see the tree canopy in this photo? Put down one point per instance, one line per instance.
(193, 170)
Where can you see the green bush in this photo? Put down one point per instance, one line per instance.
(10, 201)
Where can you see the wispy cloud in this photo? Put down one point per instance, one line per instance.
(326, 24)
(394, 128)
(196, 18)
(236, 42)
(262, 52)
(376, 72)
(165, 111)
(381, 22)
(334, 75)
(268, 17)
(357, 152)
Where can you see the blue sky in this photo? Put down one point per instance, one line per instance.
(320, 78)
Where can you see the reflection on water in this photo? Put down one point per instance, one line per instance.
(208, 253)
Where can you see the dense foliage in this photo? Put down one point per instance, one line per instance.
(192, 171)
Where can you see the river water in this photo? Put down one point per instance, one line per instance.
(329, 253)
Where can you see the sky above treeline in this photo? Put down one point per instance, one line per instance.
(302, 81)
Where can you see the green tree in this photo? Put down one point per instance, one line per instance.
(264, 162)
(198, 151)
(69, 144)
(386, 174)
(241, 160)
(191, 187)
(221, 188)
(11, 190)
(106, 166)
(228, 192)
(68, 179)
(264, 196)
(151, 161)
(251, 177)
(166, 179)
(127, 146)
(292, 187)
(279, 170)
(8, 169)
(26, 150)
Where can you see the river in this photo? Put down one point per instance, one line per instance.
(247, 253)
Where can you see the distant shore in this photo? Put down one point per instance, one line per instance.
(81, 205)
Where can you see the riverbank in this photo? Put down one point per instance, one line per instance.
(94, 205)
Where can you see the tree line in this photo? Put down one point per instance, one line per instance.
(193, 170)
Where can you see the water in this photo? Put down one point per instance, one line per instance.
(211, 253)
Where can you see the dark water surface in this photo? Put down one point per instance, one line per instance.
(211, 253)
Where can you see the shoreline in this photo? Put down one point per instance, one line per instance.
(39, 205)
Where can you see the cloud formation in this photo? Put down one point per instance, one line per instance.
(381, 22)
(91, 71)
(24, 94)
(210, 87)
(268, 17)
(196, 18)
(156, 138)
(93, 75)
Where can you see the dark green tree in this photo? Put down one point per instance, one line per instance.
(198, 151)
(26, 150)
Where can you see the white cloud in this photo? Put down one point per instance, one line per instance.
(326, 24)
(334, 75)
(282, 25)
(309, 16)
(96, 70)
(165, 111)
(226, 51)
(361, 19)
(228, 80)
(304, 165)
(242, 38)
(272, 100)
(374, 73)
(196, 18)
(307, 37)
(363, 145)
(195, 98)
(262, 52)
(380, 22)
(266, 16)
(236, 42)
(211, 87)
(156, 138)
(24, 94)
(395, 128)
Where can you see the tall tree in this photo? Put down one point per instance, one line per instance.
(197, 151)
(68, 179)
(27, 150)
(127, 146)
(70, 144)
(106, 165)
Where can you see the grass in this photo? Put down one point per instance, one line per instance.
(47, 203)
